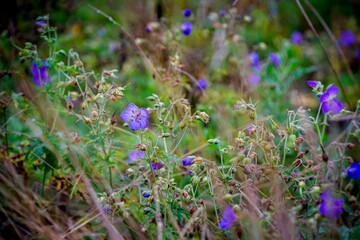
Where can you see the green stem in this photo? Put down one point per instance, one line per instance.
(110, 178)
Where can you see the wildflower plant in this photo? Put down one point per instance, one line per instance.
(178, 163)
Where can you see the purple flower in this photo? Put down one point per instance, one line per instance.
(296, 38)
(228, 218)
(354, 170)
(202, 84)
(157, 166)
(146, 194)
(136, 117)
(148, 29)
(347, 38)
(329, 100)
(107, 209)
(41, 23)
(186, 28)
(254, 59)
(222, 13)
(274, 59)
(331, 207)
(312, 83)
(358, 54)
(135, 155)
(187, 161)
(40, 73)
(187, 13)
(254, 79)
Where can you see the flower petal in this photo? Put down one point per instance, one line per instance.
(312, 83)
(332, 90)
(129, 113)
(143, 122)
(144, 112)
(228, 218)
(35, 73)
(334, 106)
(134, 125)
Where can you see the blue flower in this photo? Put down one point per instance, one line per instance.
(254, 79)
(41, 23)
(186, 28)
(146, 194)
(274, 59)
(135, 155)
(136, 117)
(202, 84)
(228, 218)
(107, 209)
(329, 101)
(358, 54)
(331, 207)
(187, 161)
(312, 83)
(347, 38)
(254, 59)
(157, 166)
(40, 73)
(354, 170)
(222, 13)
(296, 38)
(187, 13)
(148, 29)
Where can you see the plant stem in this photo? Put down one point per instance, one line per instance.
(110, 178)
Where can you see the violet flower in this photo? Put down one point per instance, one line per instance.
(187, 161)
(187, 13)
(135, 116)
(274, 59)
(296, 37)
(146, 194)
(347, 38)
(254, 79)
(254, 59)
(41, 23)
(222, 13)
(312, 83)
(186, 28)
(329, 101)
(202, 84)
(157, 166)
(148, 29)
(228, 218)
(107, 209)
(353, 171)
(330, 207)
(135, 155)
(40, 73)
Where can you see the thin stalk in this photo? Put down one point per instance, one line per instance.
(110, 178)
(333, 39)
(5, 133)
(325, 53)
